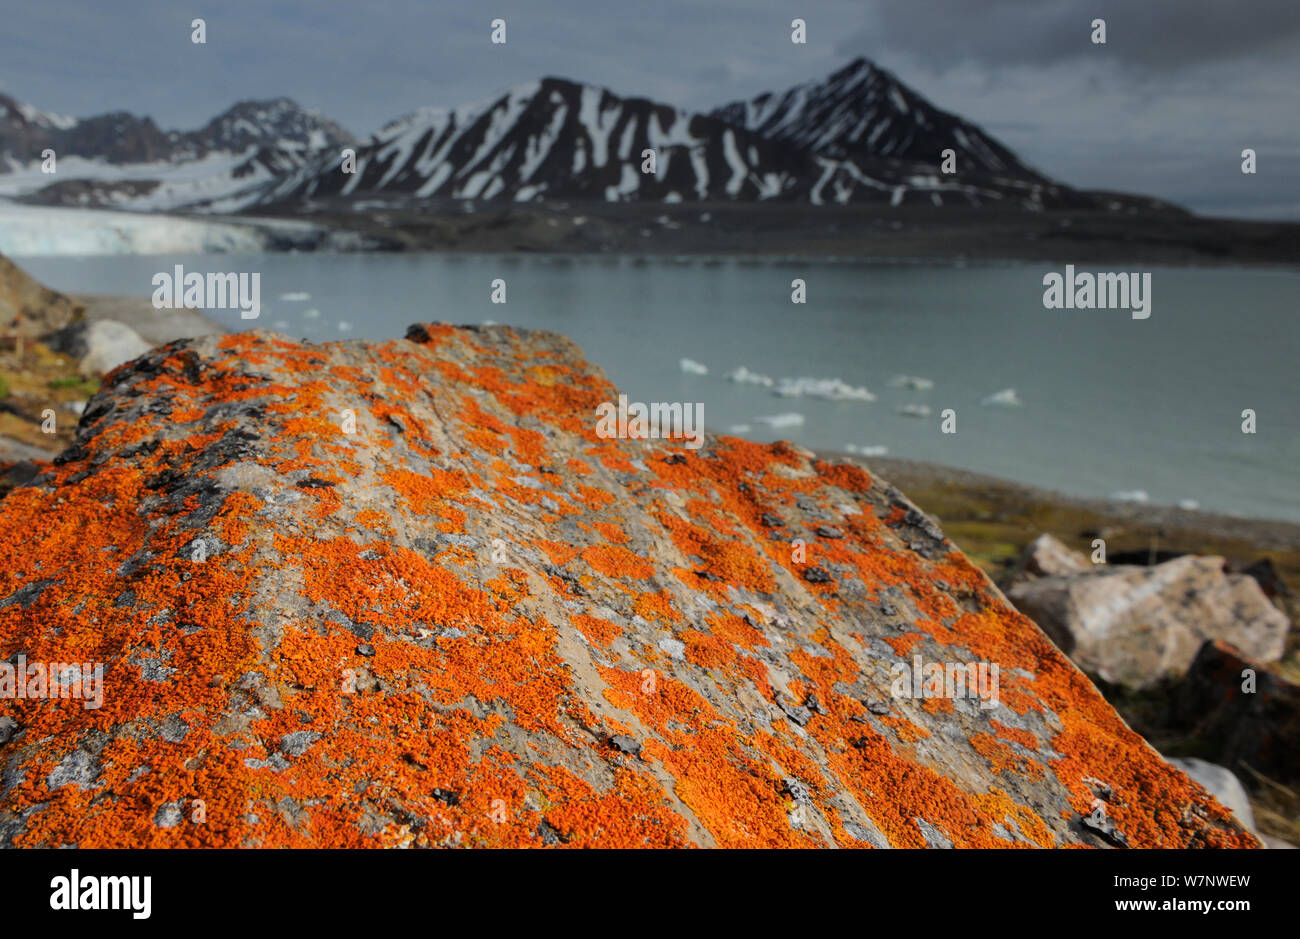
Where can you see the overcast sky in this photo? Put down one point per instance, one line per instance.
(1164, 108)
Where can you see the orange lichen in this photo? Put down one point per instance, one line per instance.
(387, 658)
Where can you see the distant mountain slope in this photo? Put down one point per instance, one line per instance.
(122, 138)
(121, 159)
(856, 137)
(560, 139)
(863, 112)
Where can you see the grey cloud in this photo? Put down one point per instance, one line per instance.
(1141, 35)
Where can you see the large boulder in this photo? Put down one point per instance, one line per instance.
(30, 310)
(1048, 556)
(405, 594)
(101, 345)
(1239, 711)
(1135, 626)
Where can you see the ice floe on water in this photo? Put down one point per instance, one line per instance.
(1188, 505)
(744, 376)
(691, 367)
(312, 314)
(295, 296)
(829, 389)
(912, 382)
(344, 326)
(781, 420)
(914, 410)
(738, 429)
(1006, 398)
(1130, 495)
(872, 450)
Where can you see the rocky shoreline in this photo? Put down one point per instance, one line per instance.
(890, 233)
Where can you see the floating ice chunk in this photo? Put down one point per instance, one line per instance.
(915, 410)
(1188, 505)
(280, 324)
(738, 429)
(781, 420)
(911, 381)
(830, 389)
(1006, 398)
(744, 376)
(296, 296)
(1130, 495)
(344, 326)
(312, 314)
(691, 367)
(873, 450)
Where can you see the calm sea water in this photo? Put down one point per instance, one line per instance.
(1110, 403)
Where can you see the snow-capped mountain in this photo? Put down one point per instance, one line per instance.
(121, 159)
(278, 123)
(863, 112)
(558, 139)
(864, 116)
(857, 137)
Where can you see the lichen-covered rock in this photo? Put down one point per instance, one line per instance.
(1222, 784)
(404, 594)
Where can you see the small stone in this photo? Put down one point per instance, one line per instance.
(828, 531)
(8, 727)
(800, 715)
(297, 742)
(796, 790)
(365, 649)
(625, 744)
(674, 648)
(168, 815)
(1100, 823)
(816, 575)
(770, 520)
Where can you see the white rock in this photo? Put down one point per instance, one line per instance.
(109, 344)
